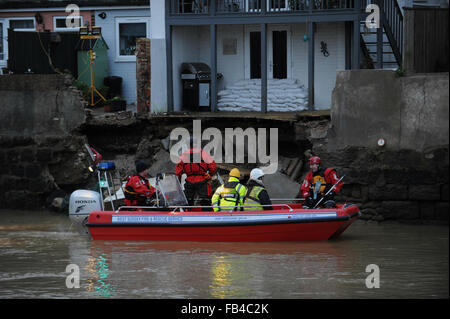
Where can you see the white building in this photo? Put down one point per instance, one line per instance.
(305, 43)
(122, 21)
(121, 26)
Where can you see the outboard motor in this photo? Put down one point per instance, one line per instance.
(81, 203)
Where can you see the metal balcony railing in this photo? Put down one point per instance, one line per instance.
(199, 7)
(189, 7)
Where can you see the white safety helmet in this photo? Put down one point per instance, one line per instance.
(256, 174)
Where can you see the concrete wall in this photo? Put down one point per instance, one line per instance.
(158, 58)
(409, 112)
(39, 106)
(40, 150)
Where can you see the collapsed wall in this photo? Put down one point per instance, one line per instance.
(39, 143)
(390, 135)
(406, 179)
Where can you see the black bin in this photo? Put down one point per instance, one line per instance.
(114, 83)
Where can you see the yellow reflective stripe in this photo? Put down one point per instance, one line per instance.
(257, 189)
(252, 200)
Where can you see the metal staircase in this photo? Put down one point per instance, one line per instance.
(384, 50)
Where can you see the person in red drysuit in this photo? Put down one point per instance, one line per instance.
(97, 156)
(138, 191)
(324, 179)
(198, 174)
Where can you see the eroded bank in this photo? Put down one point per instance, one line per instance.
(45, 125)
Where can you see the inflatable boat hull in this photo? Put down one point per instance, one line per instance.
(257, 226)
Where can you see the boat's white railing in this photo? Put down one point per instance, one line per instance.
(287, 199)
(137, 207)
(175, 208)
(231, 208)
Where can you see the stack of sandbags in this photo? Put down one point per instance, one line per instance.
(283, 95)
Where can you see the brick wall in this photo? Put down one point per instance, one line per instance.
(143, 75)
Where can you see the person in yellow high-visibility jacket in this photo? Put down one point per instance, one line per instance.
(256, 192)
(229, 196)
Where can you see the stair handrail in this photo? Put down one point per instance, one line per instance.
(391, 18)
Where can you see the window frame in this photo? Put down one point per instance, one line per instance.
(22, 18)
(4, 41)
(121, 20)
(56, 29)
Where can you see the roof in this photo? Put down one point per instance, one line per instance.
(84, 45)
(22, 4)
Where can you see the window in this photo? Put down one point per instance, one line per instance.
(271, 5)
(21, 24)
(59, 24)
(127, 31)
(1, 42)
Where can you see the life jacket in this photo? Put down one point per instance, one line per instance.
(195, 171)
(328, 177)
(136, 190)
(322, 178)
(229, 196)
(251, 200)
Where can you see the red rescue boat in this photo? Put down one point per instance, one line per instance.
(170, 219)
(287, 222)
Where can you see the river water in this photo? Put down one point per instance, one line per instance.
(40, 253)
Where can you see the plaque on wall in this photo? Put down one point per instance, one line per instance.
(229, 47)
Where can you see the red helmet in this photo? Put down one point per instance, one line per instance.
(315, 160)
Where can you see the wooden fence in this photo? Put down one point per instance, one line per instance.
(42, 52)
(426, 40)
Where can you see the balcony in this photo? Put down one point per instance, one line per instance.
(259, 7)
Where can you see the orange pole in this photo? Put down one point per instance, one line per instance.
(92, 76)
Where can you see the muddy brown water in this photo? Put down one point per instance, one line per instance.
(36, 249)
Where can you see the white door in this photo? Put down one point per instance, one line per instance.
(278, 51)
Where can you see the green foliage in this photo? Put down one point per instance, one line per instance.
(400, 72)
(85, 90)
(116, 98)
